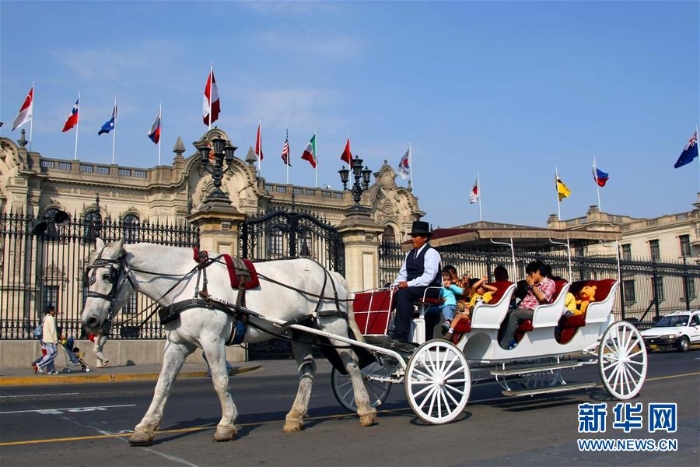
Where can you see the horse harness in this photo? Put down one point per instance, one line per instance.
(202, 298)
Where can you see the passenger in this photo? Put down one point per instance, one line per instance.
(449, 293)
(483, 292)
(434, 312)
(540, 290)
(420, 269)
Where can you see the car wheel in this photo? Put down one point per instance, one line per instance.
(683, 344)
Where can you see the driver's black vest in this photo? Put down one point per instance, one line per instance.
(415, 266)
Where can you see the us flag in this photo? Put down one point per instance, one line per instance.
(285, 151)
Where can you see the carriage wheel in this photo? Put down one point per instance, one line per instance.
(375, 376)
(622, 360)
(437, 382)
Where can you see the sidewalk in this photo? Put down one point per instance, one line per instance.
(26, 377)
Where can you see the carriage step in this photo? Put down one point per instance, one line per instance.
(524, 369)
(563, 388)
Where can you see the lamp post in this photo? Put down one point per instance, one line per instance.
(222, 152)
(357, 187)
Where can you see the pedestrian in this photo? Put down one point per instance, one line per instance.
(50, 338)
(100, 339)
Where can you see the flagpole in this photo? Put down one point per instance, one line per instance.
(478, 185)
(316, 156)
(114, 135)
(556, 188)
(77, 128)
(597, 186)
(211, 91)
(160, 127)
(259, 143)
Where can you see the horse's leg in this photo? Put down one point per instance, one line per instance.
(367, 413)
(216, 356)
(301, 346)
(173, 359)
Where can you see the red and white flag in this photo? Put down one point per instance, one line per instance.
(72, 119)
(474, 194)
(211, 101)
(258, 144)
(25, 112)
(154, 133)
(347, 155)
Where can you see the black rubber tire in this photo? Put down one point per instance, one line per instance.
(684, 344)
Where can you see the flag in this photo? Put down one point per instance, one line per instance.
(285, 151)
(310, 151)
(211, 93)
(562, 189)
(474, 194)
(109, 124)
(154, 134)
(258, 144)
(689, 153)
(72, 118)
(347, 155)
(404, 164)
(600, 177)
(25, 112)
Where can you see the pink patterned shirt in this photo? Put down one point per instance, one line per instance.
(547, 288)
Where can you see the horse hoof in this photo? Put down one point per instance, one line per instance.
(368, 420)
(141, 439)
(291, 427)
(225, 434)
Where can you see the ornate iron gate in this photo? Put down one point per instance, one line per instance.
(281, 234)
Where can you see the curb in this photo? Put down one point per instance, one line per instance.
(79, 378)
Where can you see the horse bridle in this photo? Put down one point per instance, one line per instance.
(116, 268)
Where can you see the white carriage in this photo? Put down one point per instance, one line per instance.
(438, 374)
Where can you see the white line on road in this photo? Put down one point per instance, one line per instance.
(44, 395)
(69, 409)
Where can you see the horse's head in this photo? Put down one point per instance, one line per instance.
(108, 284)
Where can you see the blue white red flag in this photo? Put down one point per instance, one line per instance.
(689, 153)
(154, 134)
(600, 177)
(73, 117)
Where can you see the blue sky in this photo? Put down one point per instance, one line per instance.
(511, 90)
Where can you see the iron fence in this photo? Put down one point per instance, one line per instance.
(42, 263)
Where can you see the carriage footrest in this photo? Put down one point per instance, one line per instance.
(521, 370)
(563, 388)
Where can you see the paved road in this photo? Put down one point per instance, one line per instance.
(82, 424)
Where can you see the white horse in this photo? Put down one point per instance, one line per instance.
(289, 291)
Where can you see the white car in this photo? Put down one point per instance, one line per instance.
(678, 330)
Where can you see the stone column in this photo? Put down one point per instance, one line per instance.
(360, 234)
(219, 226)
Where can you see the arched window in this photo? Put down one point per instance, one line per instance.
(388, 235)
(49, 218)
(131, 226)
(92, 226)
(306, 245)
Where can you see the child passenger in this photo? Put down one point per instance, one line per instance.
(481, 292)
(449, 294)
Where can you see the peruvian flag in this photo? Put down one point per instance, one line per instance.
(474, 194)
(347, 155)
(72, 119)
(258, 144)
(211, 100)
(25, 112)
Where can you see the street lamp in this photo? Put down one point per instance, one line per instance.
(223, 151)
(357, 187)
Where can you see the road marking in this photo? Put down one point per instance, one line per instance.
(44, 395)
(69, 409)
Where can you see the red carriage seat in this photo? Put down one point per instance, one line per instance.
(465, 325)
